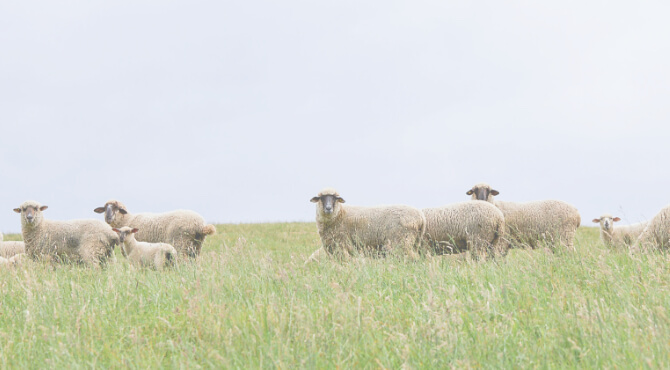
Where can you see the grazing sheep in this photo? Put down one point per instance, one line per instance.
(10, 248)
(345, 230)
(657, 233)
(621, 236)
(474, 226)
(17, 259)
(550, 221)
(185, 230)
(154, 255)
(88, 241)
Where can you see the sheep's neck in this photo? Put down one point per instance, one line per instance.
(129, 245)
(328, 223)
(607, 236)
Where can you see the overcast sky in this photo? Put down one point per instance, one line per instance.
(242, 111)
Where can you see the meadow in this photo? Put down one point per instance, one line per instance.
(250, 302)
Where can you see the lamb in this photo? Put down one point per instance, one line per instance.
(345, 230)
(154, 255)
(14, 260)
(184, 230)
(83, 241)
(10, 248)
(657, 233)
(553, 222)
(621, 236)
(474, 226)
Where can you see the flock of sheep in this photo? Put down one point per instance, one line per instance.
(483, 226)
(146, 239)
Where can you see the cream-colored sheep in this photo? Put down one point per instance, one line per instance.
(548, 222)
(10, 248)
(143, 254)
(657, 233)
(184, 230)
(620, 236)
(346, 230)
(88, 241)
(477, 227)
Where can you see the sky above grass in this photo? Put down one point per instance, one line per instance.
(242, 111)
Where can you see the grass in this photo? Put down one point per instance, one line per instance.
(249, 302)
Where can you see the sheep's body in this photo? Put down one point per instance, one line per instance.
(10, 248)
(144, 254)
(545, 222)
(475, 226)
(381, 229)
(184, 230)
(85, 241)
(620, 236)
(656, 235)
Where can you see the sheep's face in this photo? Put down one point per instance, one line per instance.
(328, 203)
(482, 192)
(124, 232)
(112, 209)
(606, 222)
(31, 213)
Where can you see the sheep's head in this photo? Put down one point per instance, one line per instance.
(482, 191)
(328, 202)
(114, 212)
(124, 232)
(31, 213)
(606, 221)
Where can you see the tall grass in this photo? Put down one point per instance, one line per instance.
(250, 302)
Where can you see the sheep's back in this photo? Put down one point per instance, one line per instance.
(377, 225)
(168, 226)
(456, 221)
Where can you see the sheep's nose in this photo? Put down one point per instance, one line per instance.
(29, 218)
(329, 209)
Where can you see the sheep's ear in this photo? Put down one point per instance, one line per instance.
(17, 210)
(43, 208)
(339, 199)
(494, 192)
(469, 192)
(596, 220)
(134, 230)
(99, 210)
(616, 219)
(115, 229)
(123, 211)
(315, 200)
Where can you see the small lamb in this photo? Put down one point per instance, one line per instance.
(621, 236)
(154, 255)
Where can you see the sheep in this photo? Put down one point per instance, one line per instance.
(10, 248)
(154, 255)
(553, 222)
(83, 241)
(474, 226)
(345, 230)
(621, 236)
(656, 235)
(184, 230)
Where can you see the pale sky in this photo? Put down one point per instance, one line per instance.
(242, 111)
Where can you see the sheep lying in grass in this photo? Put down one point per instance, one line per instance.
(88, 241)
(10, 248)
(185, 230)
(621, 236)
(477, 227)
(550, 222)
(656, 235)
(154, 255)
(346, 230)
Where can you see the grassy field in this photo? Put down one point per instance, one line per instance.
(249, 302)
